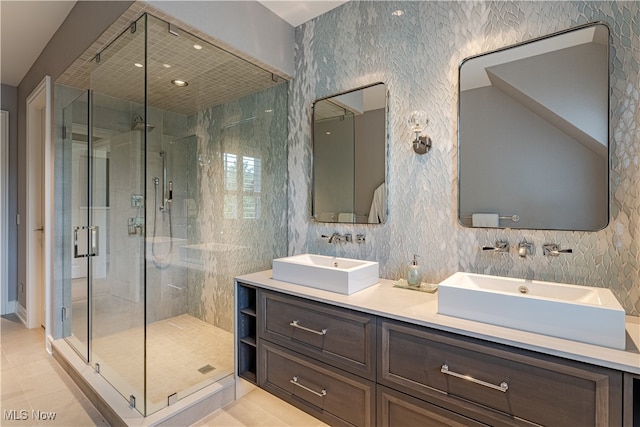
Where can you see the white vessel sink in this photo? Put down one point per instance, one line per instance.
(341, 275)
(580, 313)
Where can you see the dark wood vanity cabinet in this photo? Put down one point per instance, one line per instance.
(396, 409)
(351, 368)
(318, 357)
(496, 384)
(335, 396)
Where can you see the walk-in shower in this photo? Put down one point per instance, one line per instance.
(152, 234)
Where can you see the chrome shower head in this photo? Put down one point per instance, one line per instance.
(138, 124)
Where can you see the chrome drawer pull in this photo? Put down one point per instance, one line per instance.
(295, 382)
(296, 325)
(503, 387)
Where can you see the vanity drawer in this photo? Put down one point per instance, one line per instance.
(330, 394)
(340, 337)
(536, 388)
(397, 409)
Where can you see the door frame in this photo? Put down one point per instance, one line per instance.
(4, 214)
(39, 142)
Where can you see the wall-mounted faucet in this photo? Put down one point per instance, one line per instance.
(525, 248)
(337, 237)
(501, 246)
(553, 249)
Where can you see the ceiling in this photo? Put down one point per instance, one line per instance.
(298, 12)
(42, 19)
(25, 29)
(213, 75)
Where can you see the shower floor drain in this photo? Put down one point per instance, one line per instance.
(206, 369)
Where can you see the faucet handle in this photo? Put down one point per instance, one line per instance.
(553, 249)
(500, 246)
(525, 248)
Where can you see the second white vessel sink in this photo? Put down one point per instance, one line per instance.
(341, 275)
(580, 313)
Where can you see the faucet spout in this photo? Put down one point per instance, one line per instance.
(335, 237)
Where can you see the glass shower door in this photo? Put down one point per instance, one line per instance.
(117, 152)
(76, 226)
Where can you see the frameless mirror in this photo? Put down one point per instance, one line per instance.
(349, 156)
(533, 134)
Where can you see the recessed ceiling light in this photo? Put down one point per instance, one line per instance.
(180, 83)
(268, 111)
(328, 133)
(139, 65)
(197, 46)
(398, 12)
(166, 65)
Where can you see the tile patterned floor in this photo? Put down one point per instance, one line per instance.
(33, 380)
(259, 408)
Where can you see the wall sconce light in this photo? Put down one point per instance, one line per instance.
(418, 121)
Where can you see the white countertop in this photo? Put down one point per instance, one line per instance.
(421, 308)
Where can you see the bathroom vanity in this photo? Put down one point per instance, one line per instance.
(384, 356)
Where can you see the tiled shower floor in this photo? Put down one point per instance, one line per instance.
(178, 349)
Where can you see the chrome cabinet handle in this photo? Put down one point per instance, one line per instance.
(295, 382)
(295, 324)
(503, 387)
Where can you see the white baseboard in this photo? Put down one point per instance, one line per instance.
(21, 312)
(9, 308)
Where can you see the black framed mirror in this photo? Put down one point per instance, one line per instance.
(533, 134)
(350, 157)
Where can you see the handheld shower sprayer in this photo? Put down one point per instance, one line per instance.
(159, 260)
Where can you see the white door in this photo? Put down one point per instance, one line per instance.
(38, 198)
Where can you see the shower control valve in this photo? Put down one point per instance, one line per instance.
(135, 225)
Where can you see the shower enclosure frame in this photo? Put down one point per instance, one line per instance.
(85, 242)
(227, 149)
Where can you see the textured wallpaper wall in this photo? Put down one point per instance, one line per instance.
(417, 56)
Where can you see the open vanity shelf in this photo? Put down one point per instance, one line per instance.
(246, 335)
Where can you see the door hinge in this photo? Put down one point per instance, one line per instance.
(64, 132)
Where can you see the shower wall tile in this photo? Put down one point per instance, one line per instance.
(254, 127)
(417, 56)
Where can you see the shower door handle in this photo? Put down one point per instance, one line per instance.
(92, 246)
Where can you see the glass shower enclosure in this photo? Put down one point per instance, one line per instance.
(174, 164)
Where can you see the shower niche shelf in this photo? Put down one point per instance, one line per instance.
(246, 324)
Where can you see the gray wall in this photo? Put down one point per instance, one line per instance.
(9, 99)
(333, 156)
(348, 171)
(538, 173)
(370, 157)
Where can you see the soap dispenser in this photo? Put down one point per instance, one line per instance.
(413, 272)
